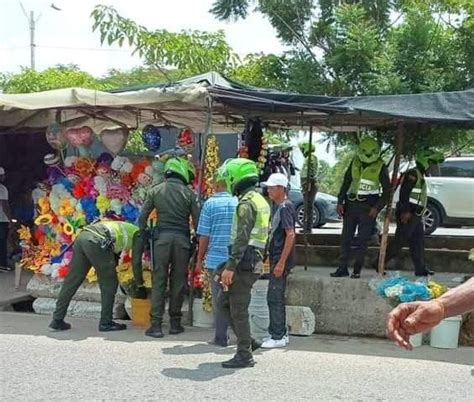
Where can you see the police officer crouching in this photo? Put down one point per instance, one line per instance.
(98, 245)
(360, 201)
(175, 203)
(248, 241)
(410, 210)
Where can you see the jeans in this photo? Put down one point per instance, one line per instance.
(276, 305)
(3, 243)
(221, 322)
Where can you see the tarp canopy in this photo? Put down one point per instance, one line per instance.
(186, 103)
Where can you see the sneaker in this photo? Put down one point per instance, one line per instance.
(155, 331)
(112, 326)
(6, 269)
(59, 325)
(274, 343)
(286, 338)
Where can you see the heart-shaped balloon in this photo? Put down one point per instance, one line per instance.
(114, 140)
(55, 137)
(82, 136)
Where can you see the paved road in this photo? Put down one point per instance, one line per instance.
(83, 364)
(336, 228)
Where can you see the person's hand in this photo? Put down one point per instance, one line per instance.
(373, 213)
(340, 210)
(198, 267)
(412, 318)
(279, 269)
(405, 217)
(227, 277)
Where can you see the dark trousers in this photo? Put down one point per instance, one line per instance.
(310, 189)
(3, 244)
(220, 319)
(356, 217)
(234, 304)
(412, 233)
(276, 305)
(88, 253)
(172, 254)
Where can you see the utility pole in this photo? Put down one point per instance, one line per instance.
(32, 25)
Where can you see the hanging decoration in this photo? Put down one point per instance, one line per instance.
(185, 141)
(151, 137)
(55, 137)
(114, 140)
(212, 163)
(81, 138)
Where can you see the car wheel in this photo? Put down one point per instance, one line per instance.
(300, 216)
(431, 219)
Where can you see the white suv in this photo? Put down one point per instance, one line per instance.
(450, 194)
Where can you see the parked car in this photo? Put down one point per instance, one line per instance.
(450, 193)
(324, 210)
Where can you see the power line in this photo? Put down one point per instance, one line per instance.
(83, 49)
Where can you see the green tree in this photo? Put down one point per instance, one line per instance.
(191, 52)
(52, 78)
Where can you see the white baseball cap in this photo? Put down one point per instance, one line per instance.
(276, 179)
(2, 171)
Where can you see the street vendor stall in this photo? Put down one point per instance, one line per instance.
(84, 185)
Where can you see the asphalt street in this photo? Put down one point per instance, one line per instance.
(84, 364)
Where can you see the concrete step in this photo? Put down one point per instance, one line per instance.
(346, 306)
(434, 242)
(455, 261)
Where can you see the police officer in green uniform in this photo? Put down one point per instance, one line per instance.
(309, 185)
(410, 209)
(98, 245)
(360, 201)
(248, 241)
(175, 203)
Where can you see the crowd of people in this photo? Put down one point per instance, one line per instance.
(237, 229)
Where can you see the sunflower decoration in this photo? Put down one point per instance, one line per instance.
(212, 164)
(91, 275)
(44, 219)
(24, 233)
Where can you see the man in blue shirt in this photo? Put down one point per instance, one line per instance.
(214, 231)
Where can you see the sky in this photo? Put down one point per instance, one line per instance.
(66, 36)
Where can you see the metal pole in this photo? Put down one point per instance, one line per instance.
(393, 185)
(32, 39)
(306, 207)
(192, 262)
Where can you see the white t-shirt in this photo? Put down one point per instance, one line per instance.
(3, 197)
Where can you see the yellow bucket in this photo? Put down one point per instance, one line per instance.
(141, 312)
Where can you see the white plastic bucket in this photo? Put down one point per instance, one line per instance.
(201, 318)
(446, 334)
(416, 340)
(258, 310)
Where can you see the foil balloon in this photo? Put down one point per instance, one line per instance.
(55, 137)
(81, 138)
(151, 137)
(114, 140)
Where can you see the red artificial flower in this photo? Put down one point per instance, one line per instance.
(78, 191)
(63, 271)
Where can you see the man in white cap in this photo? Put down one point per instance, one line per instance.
(5, 219)
(281, 253)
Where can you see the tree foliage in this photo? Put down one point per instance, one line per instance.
(191, 52)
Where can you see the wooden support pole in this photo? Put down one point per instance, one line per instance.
(306, 207)
(400, 134)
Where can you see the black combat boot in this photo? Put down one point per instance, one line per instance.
(239, 361)
(175, 326)
(111, 326)
(59, 325)
(340, 272)
(356, 272)
(155, 331)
